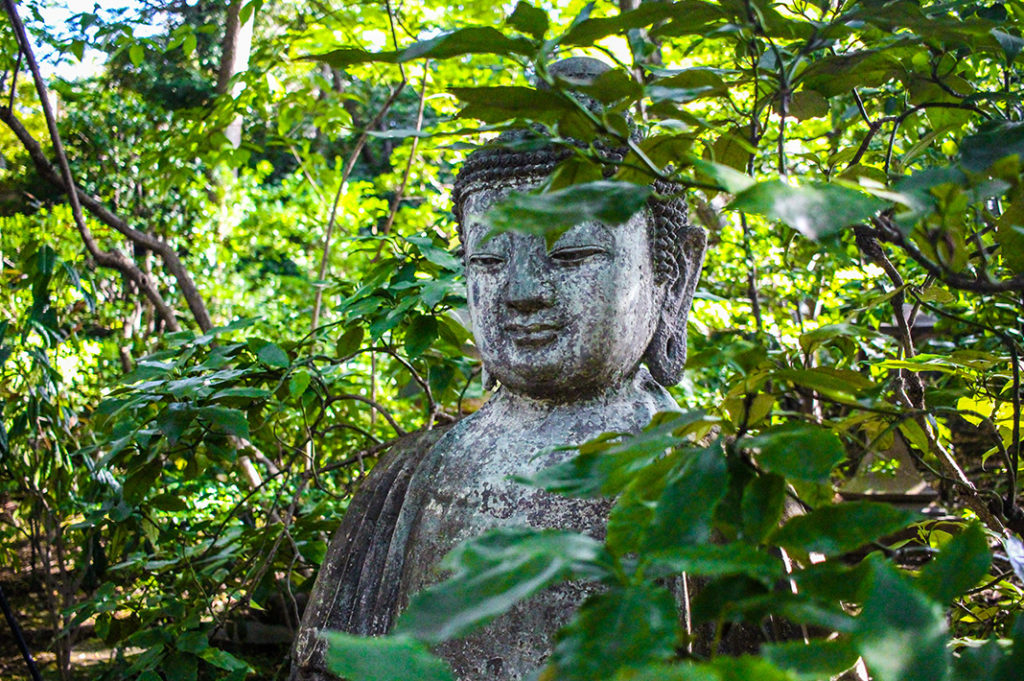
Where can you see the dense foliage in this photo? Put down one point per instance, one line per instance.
(198, 369)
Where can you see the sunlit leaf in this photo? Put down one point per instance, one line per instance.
(961, 564)
(494, 572)
(551, 214)
(834, 530)
(686, 507)
(814, 659)
(473, 40)
(797, 450)
(815, 210)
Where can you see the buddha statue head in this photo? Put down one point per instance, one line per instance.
(570, 322)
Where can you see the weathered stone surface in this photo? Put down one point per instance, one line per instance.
(564, 331)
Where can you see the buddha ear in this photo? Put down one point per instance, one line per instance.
(489, 382)
(666, 353)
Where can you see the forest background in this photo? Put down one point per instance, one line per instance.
(256, 289)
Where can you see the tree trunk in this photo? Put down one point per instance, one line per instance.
(235, 59)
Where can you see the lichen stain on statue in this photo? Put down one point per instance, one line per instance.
(566, 333)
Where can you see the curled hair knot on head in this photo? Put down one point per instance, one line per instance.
(677, 247)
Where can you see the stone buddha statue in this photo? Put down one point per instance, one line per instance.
(580, 339)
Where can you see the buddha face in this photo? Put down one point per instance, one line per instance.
(565, 323)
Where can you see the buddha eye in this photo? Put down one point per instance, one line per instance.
(575, 254)
(486, 260)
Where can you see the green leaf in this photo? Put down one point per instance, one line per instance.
(726, 177)
(194, 642)
(962, 563)
(833, 582)
(814, 210)
(679, 95)
(226, 420)
(841, 384)
(814, 660)
(807, 104)
(188, 45)
(588, 31)
(622, 627)
(434, 254)
(45, 261)
(552, 214)
(901, 634)
(273, 356)
(811, 340)
(607, 464)
(473, 40)
(747, 668)
(350, 341)
(694, 17)
(248, 393)
(686, 507)
(168, 502)
(972, 663)
(506, 102)
(492, 573)
(763, 500)
(529, 20)
(611, 87)
(387, 658)
(181, 666)
(136, 54)
(1010, 666)
(634, 509)
(422, 332)
(834, 530)
(221, 659)
(77, 48)
(837, 74)
(299, 382)
(175, 420)
(716, 560)
(574, 170)
(138, 484)
(1010, 236)
(992, 142)
(1011, 44)
(670, 672)
(797, 450)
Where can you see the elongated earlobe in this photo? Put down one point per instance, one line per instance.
(485, 377)
(666, 353)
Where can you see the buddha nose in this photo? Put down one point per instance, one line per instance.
(528, 288)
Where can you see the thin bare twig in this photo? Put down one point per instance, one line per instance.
(376, 405)
(329, 233)
(400, 193)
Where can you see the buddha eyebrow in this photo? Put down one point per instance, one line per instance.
(585, 235)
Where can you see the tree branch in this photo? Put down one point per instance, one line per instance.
(166, 252)
(113, 259)
(886, 231)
